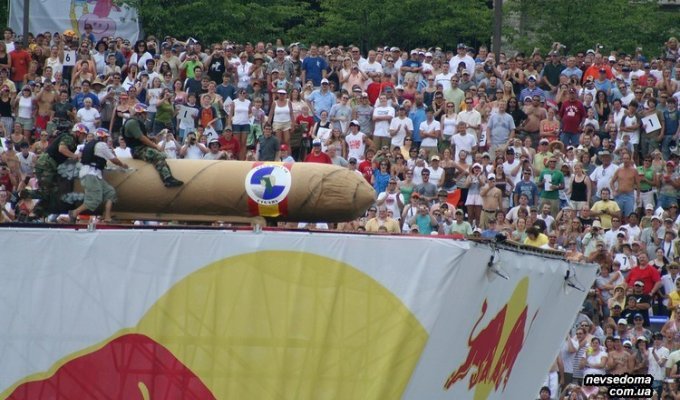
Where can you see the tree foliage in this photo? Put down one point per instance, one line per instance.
(407, 23)
(618, 25)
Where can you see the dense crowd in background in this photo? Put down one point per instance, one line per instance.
(574, 151)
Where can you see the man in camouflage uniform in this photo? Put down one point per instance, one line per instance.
(144, 148)
(61, 149)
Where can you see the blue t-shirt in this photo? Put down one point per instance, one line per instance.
(381, 180)
(528, 188)
(314, 67)
(322, 102)
(417, 115)
(424, 224)
(671, 121)
(411, 63)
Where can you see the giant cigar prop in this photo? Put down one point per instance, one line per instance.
(213, 190)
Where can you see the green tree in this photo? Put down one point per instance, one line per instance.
(407, 23)
(618, 25)
(216, 20)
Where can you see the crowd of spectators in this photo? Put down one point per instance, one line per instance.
(576, 151)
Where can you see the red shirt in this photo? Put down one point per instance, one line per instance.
(374, 89)
(229, 145)
(310, 123)
(649, 275)
(6, 181)
(594, 71)
(366, 169)
(20, 61)
(571, 114)
(322, 158)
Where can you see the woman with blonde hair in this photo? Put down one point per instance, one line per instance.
(508, 92)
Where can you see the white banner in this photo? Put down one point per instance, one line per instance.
(107, 18)
(275, 315)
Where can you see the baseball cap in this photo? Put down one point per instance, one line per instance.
(461, 46)
(324, 80)
(622, 321)
(316, 142)
(354, 122)
(284, 147)
(435, 157)
(491, 176)
(476, 165)
(612, 58)
(532, 77)
(639, 283)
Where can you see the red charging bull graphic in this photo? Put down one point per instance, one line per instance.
(129, 367)
(494, 350)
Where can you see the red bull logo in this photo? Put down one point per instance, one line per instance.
(131, 366)
(494, 350)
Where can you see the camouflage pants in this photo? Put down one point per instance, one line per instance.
(46, 172)
(155, 157)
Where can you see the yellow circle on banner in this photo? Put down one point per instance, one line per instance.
(288, 325)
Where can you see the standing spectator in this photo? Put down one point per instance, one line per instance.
(552, 181)
(571, 114)
(382, 117)
(321, 99)
(314, 67)
(270, 146)
(626, 182)
(21, 60)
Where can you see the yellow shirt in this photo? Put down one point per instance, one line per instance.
(673, 301)
(541, 240)
(390, 224)
(610, 206)
(539, 159)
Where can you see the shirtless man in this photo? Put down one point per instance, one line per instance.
(628, 185)
(532, 124)
(46, 99)
(619, 361)
(491, 201)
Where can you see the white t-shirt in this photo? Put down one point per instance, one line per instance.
(193, 153)
(403, 125)
(444, 80)
(508, 168)
(472, 118)
(170, 149)
(429, 127)
(371, 67)
(391, 202)
(603, 176)
(122, 153)
(449, 126)
(88, 117)
(436, 175)
(355, 145)
(241, 111)
(382, 128)
(464, 142)
(101, 149)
